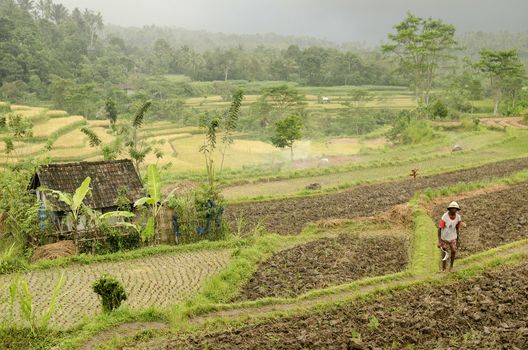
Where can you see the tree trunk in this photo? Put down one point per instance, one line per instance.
(291, 153)
(496, 107)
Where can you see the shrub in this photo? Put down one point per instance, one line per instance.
(468, 124)
(111, 292)
(11, 260)
(5, 107)
(438, 109)
(197, 218)
(408, 129)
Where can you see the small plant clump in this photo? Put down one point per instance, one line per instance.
(111, 292)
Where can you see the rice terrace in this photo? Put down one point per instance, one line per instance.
(329, 187)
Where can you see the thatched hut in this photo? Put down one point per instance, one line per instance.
(110, 180)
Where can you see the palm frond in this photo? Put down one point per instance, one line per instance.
(93, 139)
(140, 114)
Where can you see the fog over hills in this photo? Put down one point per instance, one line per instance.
(340, 21)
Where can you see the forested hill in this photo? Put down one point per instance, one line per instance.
(48, 53)
(202, 41)
(472, 42)
(69, 60)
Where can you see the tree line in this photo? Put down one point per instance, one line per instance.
(48, 53)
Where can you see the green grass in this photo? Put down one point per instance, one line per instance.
(423, 244)
(430, 194)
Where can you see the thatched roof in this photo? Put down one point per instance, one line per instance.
(107, 178)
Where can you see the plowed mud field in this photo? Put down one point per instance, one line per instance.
(492, 219)
(327, 262)
(289, 216)
(488, 312)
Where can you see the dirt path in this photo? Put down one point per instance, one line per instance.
(123, 330)
(152, 281)
(514, 122)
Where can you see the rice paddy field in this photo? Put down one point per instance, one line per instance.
(180, 145)
(255, 168)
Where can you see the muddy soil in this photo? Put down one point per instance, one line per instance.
(492, 219)
(488, 312)
(289, 216)
(327, 262)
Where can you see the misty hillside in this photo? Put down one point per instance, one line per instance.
(204, 40)
(145, 37)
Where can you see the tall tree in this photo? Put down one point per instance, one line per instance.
(282, 98)
(138, 149)
(419, 46)
(111, 110)
(26, 5)
(43, 8)
(287, 131)
(506, 74)
(95, 23)
(58, 13)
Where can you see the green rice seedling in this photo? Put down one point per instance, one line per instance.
(373, 323)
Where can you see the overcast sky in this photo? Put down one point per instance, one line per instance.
(336, 20)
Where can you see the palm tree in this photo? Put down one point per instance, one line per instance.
(58, 13)
(43, 7)
(26, 5)
(95, 23)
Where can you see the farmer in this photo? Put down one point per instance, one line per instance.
(448, 234)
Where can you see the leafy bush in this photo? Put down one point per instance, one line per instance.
(111, 292)
(18, 207)
(470, 124)
(11, 260)
(408, 129)
(193, 211)
(438, 109)
(5, 108)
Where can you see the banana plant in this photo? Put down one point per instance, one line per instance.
(75, 201)
(154, 201)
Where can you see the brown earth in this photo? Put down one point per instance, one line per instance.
(487, 312)
(54, 251)
(492, 219)
(289, 216)
(327, 262)
(123, 330)
(514, 122)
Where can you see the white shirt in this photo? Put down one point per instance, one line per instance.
(449, 232)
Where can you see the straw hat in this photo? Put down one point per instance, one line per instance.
(453, 205)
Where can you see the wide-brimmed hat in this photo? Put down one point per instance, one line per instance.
(453, 205)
